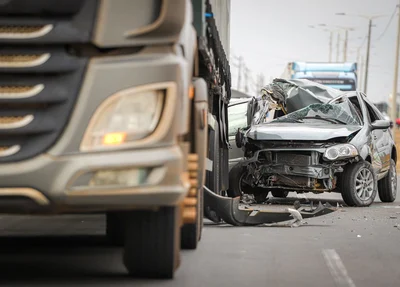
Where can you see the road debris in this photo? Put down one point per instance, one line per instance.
(296, 222)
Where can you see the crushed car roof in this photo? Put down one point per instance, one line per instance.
(296, 94)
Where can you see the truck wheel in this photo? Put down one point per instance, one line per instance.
(115, 229)
(387, 186)
(191, 233)
(358, 184)
(152, 242)
(280, 193)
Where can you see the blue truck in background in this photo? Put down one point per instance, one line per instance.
(341, 76)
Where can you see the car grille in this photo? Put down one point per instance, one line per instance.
(39, 77)
(300, 158)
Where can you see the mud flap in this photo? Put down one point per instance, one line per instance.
(229, 210)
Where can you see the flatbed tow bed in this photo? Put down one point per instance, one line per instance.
(233, 212)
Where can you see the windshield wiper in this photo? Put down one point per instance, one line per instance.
(339, 121)
(333, 121)
(289, 120)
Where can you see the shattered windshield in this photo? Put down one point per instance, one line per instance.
(337, 112)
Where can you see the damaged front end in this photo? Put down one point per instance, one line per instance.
(293, 166)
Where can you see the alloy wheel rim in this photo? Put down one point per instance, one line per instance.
(364, 184)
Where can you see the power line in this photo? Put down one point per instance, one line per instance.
(388, 24)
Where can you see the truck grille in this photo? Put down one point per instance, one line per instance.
(39, 78)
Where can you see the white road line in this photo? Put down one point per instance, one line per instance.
(337, 269)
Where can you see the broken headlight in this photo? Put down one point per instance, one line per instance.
(340, 151)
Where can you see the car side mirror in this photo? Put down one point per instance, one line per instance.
(380, 125)
(251, 110)
(239, 139)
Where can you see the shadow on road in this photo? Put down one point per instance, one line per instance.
(61, 260)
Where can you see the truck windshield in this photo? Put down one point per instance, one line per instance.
(339, 84)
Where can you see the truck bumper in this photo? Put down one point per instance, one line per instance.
(49, 184)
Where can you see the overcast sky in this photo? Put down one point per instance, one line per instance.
(270, 33)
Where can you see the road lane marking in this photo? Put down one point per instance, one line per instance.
(337, 269)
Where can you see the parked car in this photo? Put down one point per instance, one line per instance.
(320, 140)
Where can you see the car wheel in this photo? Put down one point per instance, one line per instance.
(387, 186)
(115, 229)
(152, 242)
(280, 193)
(237, 187)
(191, 233)
(358, 184)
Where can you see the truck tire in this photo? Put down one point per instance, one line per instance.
(213, 178)
(358, 184)
(152, 242)
(115, 229)
(387, 186)
(191, 233)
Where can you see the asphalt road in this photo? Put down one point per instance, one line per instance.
(352, 247)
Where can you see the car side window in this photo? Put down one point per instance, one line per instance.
(237, 117)
(357, 107)
(373, 116)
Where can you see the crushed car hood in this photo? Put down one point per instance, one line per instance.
(300, 131)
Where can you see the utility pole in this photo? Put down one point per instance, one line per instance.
(330, 45)
(360, 77)
(338, 47)
(367, 60)
(396, 74)
(239, 72)
(345, 45)
(369, 18)
(260, 82)
(246, 79)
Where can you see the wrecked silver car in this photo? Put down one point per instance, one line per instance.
(319, 140)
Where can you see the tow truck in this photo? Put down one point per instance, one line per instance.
(120, 107)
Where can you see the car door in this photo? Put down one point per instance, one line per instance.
(384, 142)
(380, 138)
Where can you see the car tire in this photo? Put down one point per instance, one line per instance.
(280, 193)
(236, 188)
(115, 229)
(152, 242)
(387, 186)
(352, 193)
(191, 233)
(235, 176)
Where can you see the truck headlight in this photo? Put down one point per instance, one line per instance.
(126, 117)
(340, 151)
